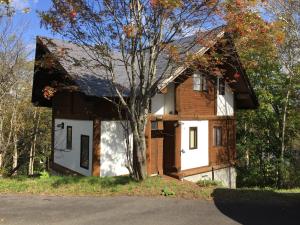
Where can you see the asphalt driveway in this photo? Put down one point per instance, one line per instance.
(41, 210)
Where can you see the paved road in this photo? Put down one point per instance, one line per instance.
(41, 210)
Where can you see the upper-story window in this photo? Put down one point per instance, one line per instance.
(199, 82)
(221, 86)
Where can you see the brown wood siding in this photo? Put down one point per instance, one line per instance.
(96, 147)
(227, 152)
(169, 147)
(178, 148)
(156, 152)
(190, 102)
(148, 146)
(75, 105)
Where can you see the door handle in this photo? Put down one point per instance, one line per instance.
(182, 151)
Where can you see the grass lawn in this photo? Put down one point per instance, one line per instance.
(152, 186)
(107, 186)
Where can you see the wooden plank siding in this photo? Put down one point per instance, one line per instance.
(96, 147)
(75, 105)
(226, 153)
(189, 102)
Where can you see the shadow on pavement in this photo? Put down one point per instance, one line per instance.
(258, 206)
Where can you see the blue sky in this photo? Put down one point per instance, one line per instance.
(32, 19)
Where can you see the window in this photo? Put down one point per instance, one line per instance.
(217, 136)
(84, 152)
(69, 137)
(193, 137)
(199, 82)
(154, 125)
(221, 87)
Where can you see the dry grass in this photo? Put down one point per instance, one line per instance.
(108, 186)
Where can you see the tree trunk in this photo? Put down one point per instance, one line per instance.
(1, 138)
(281, 160)
(139, 150)
(33, 143)
(15, 155)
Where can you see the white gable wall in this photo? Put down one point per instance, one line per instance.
(157, 104)
(225, 103)
(113, 149)
(170, 100)
(71, 158)
(164, 103)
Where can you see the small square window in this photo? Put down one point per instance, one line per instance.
(199, 82)
(221, 86)
(69, 138)
(193, 138)
(218, 136)
(84, 151)
(154, 125)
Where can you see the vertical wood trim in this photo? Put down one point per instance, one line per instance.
(160, 156)
(177, 99)
(216, 98)
(210, 141)
(178, 148)
(96, 147)
(52, 138)
(148, 145)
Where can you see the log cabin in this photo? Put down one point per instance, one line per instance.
(191, 131)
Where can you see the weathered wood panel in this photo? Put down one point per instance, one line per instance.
(156, 152)
(227, 152)
(169, 147)
(190, 102)
(96, 147)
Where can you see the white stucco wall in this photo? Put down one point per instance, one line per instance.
(157, 104)
(164, 103)
(170, 99)
(193, 158)
(113, 149)
(227, 176)
(71, 158)
(225, 103)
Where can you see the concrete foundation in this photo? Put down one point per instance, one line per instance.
(227, 176)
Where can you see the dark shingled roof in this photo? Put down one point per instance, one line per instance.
(83, 68)
(80, 63)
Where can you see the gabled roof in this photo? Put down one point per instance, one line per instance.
(81, 68)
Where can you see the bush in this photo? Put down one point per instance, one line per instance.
(209, 183)
(167, 192)
(44, 175)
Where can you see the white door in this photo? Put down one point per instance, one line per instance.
(194, 144)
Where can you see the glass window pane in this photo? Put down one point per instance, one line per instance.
(221, 86)
(154, 125)
(218, 136)
(193, 138)
(197, 82)
(69, 137)
(84, 151)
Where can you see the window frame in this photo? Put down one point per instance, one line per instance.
(199, 82)
(81, 151)
(195, 129)
(218, 142)
(69, 143)
(154, 125)
(221, 86)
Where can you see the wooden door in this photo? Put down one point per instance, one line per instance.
(156, 153)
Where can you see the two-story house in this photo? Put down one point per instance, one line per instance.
(192, 125)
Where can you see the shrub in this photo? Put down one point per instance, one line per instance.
(167, 192)
(208, 183)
